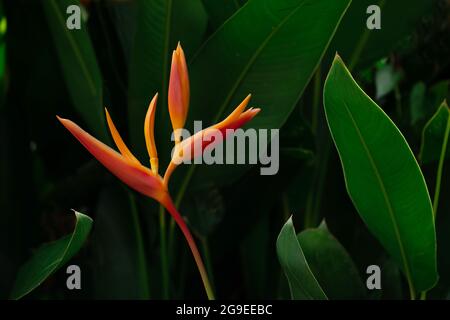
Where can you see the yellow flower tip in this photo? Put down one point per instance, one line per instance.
(119, 141)
(240, 108)
(149, 127)
(154, 164)
(235, 114)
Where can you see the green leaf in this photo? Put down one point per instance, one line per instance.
(361, 46)
(220, 10)
(50, 257)
(331, 264)
(382, 177)
(78, 65)
(269, 48)
(434, 134)
(302, 283)
(160, 25)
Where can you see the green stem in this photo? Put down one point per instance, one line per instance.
(207, 255)
(423, 295)
(314, 198)
(440, 169)
(190, 240)
(141, 258)
(316, 98)
(178, 200)
(163, 253)
(412, 293)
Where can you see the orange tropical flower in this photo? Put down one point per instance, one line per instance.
(193, 146)
(147, 181)
(178, 98)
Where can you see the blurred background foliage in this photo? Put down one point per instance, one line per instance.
(121, 57)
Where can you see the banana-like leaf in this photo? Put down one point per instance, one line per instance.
(382, 177)
(78, 65)
(269, 48)
(50, 257)
(435, 136)
(302, 283)
(330, 263)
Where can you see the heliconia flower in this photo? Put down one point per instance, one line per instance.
(125, 166)
(193, 146)
(178, 98)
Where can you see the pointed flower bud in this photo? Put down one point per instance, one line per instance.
(178, 99)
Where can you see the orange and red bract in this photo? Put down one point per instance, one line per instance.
(127, 168)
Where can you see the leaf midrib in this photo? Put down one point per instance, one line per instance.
(385, 195)
(253, 59)
(75, 49)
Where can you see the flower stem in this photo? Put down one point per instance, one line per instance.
(316, 98)
(178, 200)
(191, 242)
(163, 253)
(412, 293)
(423, 295)
(207, 255)
(437, 189)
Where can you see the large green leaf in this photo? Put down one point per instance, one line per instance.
(50, 257)
(382, 177)
(302, 283)
(434, 134)
(79, 66)
(160, 25)
(331, 264)
(269, 48)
